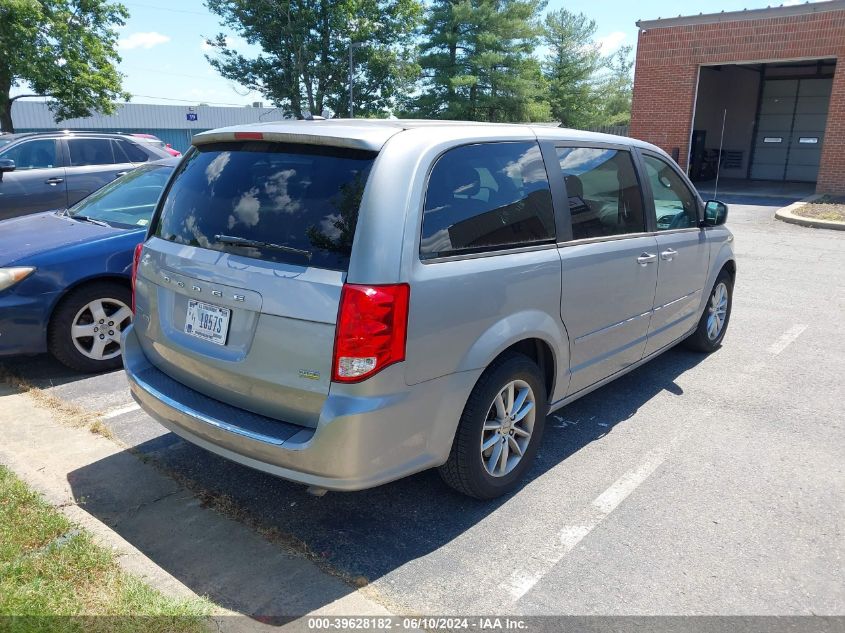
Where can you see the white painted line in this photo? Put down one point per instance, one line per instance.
(610, 499)
(786, 338)
(121, 410)
(521, 581)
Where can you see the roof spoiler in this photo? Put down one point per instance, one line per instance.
(283, 137)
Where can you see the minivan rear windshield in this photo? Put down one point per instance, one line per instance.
(280, 202)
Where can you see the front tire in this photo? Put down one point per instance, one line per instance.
(84, 332)
(499, 431)
(713, 324)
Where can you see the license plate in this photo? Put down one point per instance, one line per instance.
(207, 321)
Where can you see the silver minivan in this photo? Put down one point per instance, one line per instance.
(343, 303)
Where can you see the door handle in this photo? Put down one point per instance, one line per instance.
(54, 181)
(120, 173)
(646, 258)
(668, 254)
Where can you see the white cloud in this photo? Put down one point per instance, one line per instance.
(142, 40)
(611, 41)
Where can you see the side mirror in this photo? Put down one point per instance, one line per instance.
(6, 164)
(715, 213)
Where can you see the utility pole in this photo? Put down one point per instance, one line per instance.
(352, 47)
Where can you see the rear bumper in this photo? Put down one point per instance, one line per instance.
(359, 442)
(23, 324)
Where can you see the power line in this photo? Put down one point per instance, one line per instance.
(194, 101)
(159, 72)
(152, 6)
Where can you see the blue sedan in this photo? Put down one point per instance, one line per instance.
(65, 276)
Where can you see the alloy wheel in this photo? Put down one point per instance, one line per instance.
(717, 311)
(508, 428)
(97, 328)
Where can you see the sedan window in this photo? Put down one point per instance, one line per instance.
(128, 201)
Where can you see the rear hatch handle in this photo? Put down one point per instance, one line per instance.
(240, 241)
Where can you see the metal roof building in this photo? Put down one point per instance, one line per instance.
(174, 124)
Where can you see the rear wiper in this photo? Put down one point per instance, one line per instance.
(85, 218)
(240, 241)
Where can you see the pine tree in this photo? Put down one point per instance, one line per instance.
(477, 61)
(571, 66)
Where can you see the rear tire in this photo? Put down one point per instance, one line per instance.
(713, 324)
(506, 412)
(84, 331)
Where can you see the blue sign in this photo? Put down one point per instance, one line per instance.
(191, 116)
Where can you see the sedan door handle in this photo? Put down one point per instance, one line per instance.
(646, 258)
(54, 181)
(120, 173)
(668, 254)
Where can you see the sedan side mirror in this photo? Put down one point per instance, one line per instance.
(715, 213)
(6, 164)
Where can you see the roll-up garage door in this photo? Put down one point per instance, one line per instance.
(790, 129)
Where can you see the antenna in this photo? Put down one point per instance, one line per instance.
(719, 158)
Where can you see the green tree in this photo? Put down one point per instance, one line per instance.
(615, 89)
(304, 59)
(477, 61)
(571, 66)
(64, 49)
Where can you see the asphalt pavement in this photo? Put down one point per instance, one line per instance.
(693, 485)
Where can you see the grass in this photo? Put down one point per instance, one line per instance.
(50, 569)
(825, 208)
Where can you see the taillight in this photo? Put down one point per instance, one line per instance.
(371, 326)
(136, 258)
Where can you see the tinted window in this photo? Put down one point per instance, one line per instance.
(133, 153)
(674, 204)
(302, 198)
(604, 195)
(486, 197)
(127, 201)
(90, 151)
(40, 154)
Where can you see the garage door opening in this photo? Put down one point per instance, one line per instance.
(774, 117)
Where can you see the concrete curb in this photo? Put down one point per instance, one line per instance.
(787, 214)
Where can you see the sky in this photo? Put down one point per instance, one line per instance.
(163, 46)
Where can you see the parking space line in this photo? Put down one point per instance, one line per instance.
(523, 580)
(786, 338)
(121, 410)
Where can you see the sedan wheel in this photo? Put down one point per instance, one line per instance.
(85, 329)
(97, 328)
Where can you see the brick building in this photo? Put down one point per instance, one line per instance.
(767, 84)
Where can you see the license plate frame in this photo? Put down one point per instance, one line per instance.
(214, 328)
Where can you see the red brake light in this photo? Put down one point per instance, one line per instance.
(136, 258)
(372, 324)
(254, 136)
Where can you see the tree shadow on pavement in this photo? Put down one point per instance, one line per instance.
(368, 533)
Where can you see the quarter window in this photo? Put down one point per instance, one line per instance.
(134, 153)
(39, 154)
(487, 197)
(90, 151)
(604, 195)
(675, 206)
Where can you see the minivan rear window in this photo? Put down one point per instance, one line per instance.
(280, 202)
